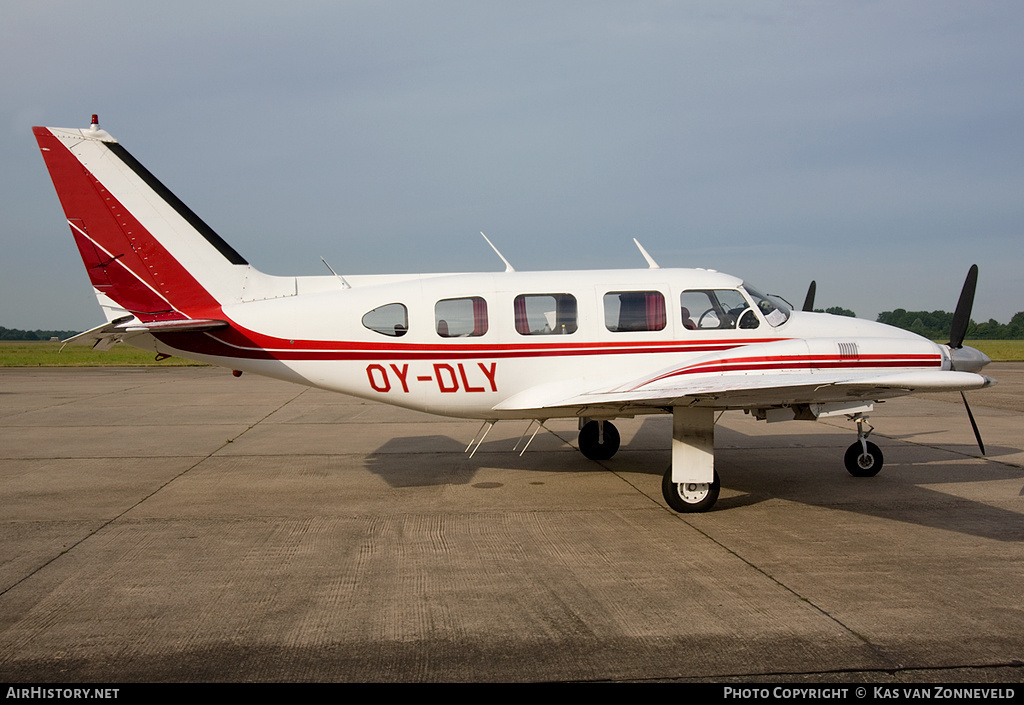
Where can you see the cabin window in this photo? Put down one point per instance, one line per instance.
(716, 309)
(390, 319)
(545, 314)
(626, 311)
(460, 318)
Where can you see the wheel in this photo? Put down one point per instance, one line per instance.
(860, 465)
(690, 497)
(589, 440)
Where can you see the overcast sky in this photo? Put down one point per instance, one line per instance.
(877, 147)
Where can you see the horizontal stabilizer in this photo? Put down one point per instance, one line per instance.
(97, 336)
(190, 325)
(107, 335)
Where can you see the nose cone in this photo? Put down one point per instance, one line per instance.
(968, 359)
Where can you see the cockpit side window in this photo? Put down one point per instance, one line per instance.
(390, 319)
(716, 309)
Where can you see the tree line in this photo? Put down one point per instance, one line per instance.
(936, 325)
(17, 334)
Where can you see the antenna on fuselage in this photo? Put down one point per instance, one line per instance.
(508, 267)
(344, 283)
(650, 260)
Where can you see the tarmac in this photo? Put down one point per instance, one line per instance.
(182, 525)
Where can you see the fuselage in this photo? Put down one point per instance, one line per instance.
(510, 344)
(461, 344)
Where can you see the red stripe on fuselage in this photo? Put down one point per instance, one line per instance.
(802, 362)
(238, 342)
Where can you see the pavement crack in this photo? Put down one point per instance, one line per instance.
(873, 647)
(145, 498)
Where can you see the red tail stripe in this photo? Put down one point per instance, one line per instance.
(130, 265)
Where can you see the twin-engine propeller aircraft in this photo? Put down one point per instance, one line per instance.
(595, 345)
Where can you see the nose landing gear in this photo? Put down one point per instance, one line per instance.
(863, 458)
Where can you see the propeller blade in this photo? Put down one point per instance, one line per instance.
(962, 315)
(809, 299)
(977, 433)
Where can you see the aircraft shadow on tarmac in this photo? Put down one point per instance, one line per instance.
(806, 469)
(442, 460)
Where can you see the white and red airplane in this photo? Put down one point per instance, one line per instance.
(596, 345)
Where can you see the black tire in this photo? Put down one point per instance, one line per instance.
(588, 440)
(860, 465)
(690, 498)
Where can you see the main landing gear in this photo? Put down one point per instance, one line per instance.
(694, 487)
(690, 497)
(599, 440)
(863, 458)
(688, 490)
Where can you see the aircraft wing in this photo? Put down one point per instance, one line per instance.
(765, 375)
(756, 391)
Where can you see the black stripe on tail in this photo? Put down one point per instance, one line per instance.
(184, 211)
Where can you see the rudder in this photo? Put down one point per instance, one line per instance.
(141, 246)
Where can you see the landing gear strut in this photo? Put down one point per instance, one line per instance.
(863, 458)
(599, 440)
(691, 484)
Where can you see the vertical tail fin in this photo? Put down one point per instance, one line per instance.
(142, 247)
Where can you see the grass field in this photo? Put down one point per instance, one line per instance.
(1000, 350)
(47, 354)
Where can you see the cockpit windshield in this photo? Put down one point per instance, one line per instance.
(774, 309)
